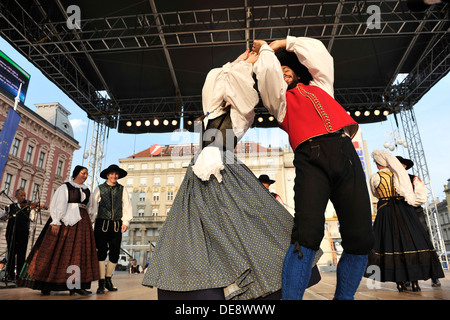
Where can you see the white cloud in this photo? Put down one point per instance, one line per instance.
(78, 125)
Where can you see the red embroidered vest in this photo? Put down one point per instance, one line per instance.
(311, 112)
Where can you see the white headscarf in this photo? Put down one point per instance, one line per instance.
(402, 183)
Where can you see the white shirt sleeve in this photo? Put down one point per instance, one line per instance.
(127, 209)
(421, 192)
(232, 83)
(59, 204)
(93, 204)
(315, 56)
(61, 210)
(271, 84)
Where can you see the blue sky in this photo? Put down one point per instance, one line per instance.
(432, 113)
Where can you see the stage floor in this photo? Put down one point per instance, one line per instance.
(130, 288)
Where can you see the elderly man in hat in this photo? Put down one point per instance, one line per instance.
(421, 192)
(266, 182)
(110, 204)
(296, 86)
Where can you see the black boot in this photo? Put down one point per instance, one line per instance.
(101, 286)
(82, 292)
(415, 286)
(401, 286)
(109, 285)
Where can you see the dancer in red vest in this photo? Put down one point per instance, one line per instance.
(296, 86)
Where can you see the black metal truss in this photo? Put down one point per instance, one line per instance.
(50, 45)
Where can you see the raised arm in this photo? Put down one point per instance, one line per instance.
(271, 85)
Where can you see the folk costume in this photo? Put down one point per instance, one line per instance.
(17, 232)
(327, 165)
(403, 250)
(264, 179)
(112, 208)
(57, 259)
(421, 193)
(225, 236)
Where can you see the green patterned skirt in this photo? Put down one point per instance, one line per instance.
(232, 235)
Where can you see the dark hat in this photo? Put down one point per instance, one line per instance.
(113, 168)
(290, 60)
(408, 163)
(265, 178)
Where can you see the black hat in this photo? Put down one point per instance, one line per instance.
(265, 178)
(408, 163)
(290, 60)
(113, 168)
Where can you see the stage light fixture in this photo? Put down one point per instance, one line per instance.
(385, 112)
(357, 113)
(174, 122)
(129, 124)
(138, 123)
(147, 123)
(156, 122)
(166, 122)
(260, 119)
(271, 118)
(377, 112)
(367, 113)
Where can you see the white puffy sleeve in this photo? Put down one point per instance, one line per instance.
(59, 204)
(127, 209)
(271, 84)
(233, 84)
(93, 204)
(421, 192)
(315, 57)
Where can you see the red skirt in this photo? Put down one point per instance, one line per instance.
(69, 257)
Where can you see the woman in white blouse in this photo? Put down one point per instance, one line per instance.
(64, 257)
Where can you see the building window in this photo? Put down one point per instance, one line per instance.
(156, 196)
(129, 182)
(130, 167)
(15, 147)
(170, 181)
(171, 165)
(29, 153)
(169, 195)
(41, 159)
(155, 212)
(157, 181)
(8, 180)
(143, 182)
(59, 168)
(35, 192)
(142, 196)
(157, 165)
(23, 183)
(141, 212)
(144, 166)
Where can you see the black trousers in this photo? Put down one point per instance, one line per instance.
(17, 243)
(328, 168)
(108, 238)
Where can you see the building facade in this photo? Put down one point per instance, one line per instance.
(40, 158)
(154, 178)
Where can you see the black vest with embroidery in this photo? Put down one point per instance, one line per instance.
(110, 205)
